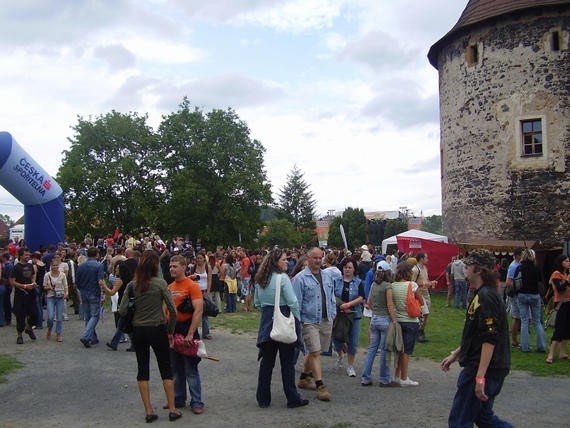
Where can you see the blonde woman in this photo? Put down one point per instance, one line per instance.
(55, 285)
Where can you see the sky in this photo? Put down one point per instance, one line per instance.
(342, 88)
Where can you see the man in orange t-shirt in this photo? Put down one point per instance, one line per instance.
(186, 368)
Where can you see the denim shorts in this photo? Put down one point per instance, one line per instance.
(409, 334)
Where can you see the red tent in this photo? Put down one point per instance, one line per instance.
(439, 256)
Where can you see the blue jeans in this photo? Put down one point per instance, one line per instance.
(119, 335)
(55, 307)
(185, 370)
(467, 409)
(268, 352)
(231, 302)
(2, 293)
(7, 304)
(352, 343)
(461, 290)
(91, 311)
(205, 327)
(530, 305)
(378, 328)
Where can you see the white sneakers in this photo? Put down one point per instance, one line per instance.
(408, 382)
(340, 362)
(350, 371)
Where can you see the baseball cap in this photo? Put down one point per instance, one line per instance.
(364, 247)
(384, 266)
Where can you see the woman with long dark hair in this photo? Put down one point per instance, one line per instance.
(273, 267)
(349, 292)
(150, 331)
(559, 283)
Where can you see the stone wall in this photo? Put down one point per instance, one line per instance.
(489, 191)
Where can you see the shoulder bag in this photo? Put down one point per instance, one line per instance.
(413, 306)
(127, 326)
(283, 327)
(550, 320)
(210, 308)
(57, 294)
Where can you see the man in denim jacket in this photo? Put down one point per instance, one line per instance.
(87, 277)
(314, 289)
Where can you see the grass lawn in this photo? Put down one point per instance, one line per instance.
(444, 329)
(7, 364)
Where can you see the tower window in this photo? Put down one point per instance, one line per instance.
(532, 137)
(472, 55)
(555, 41)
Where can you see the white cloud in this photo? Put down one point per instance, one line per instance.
(116, 56)
(68, 22)
(379, 51)
(230, 89)
(163, 51)
(222, 10)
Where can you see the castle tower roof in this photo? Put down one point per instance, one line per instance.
(478, 11)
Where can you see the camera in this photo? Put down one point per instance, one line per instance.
(197, 277)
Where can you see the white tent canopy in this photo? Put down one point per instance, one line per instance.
(412, 234)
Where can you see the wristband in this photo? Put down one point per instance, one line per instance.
(480, 380)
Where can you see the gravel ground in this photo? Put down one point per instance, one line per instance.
(64, 384)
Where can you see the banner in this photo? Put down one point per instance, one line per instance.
(439, 256)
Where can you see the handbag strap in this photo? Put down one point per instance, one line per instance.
(277, 290)
(562, 298)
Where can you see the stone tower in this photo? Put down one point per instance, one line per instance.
(504, 85)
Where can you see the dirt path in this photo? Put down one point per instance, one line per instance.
(64, 384)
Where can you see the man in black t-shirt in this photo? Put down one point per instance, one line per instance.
(23, 280)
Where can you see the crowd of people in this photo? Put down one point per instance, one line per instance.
(327, 291)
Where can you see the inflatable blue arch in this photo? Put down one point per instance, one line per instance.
(36, 190)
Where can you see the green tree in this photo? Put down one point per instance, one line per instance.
(109, 176)
(432, 224)
(295, 202)
(214, 180)
(335, 239)
(354, 223)
(283, 233)
(394, 227)
(5, 218)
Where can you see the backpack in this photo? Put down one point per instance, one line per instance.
(517, 280)
(232, 272)
(417, 274)
(413, 307)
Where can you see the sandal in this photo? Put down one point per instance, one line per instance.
(516, 345)
(548, 361)
(565, 357)
(48, 335)
(59, 339)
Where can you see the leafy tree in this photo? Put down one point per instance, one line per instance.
(296, 203)
(109, 175)
(283, 233)
(354, 224)
(5, 218)
(394, 227)
(335, 238)
(214, 181)
(432, 224)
